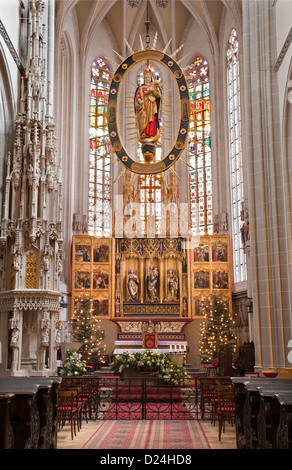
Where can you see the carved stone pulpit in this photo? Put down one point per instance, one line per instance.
(31, 236)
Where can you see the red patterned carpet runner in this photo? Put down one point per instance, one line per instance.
(144, 434)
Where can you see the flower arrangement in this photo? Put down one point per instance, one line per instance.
(148, 361)
(73, 365)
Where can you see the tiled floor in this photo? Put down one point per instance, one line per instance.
(228, 439)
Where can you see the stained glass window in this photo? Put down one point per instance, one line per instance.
(99, 209)
(199, 146)
(235, 155)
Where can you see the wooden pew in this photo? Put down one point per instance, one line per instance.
(6, 431)
(56, 387)
(269, 414)
(247, 401)
(47, 401)
(239, 398)
(24, 415)
(32, 410)
(284, 435)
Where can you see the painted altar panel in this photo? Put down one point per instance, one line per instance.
(210, 271)
(92, 273)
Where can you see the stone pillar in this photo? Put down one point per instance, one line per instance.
(270, 240)
(15, 324)
(45, 327)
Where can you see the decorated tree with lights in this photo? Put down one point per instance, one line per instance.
(86, 330)
(217, 330)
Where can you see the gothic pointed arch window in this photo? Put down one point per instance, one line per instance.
(235, 154)
(99, 200)
(199, 147)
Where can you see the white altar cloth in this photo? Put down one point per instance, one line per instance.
(159, 351)
(139, 341)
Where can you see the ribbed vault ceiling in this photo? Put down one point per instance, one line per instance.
(171, 22)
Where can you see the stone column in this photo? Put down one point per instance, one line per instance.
(15, 324)
(45, 327)
(55, 339)
(269, 225)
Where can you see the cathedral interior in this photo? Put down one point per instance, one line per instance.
(146, 164)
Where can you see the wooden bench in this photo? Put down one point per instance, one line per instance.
(47, 401)
(285, 426)
(24, 415)
(32, 411)
(6, 431)
(269, 414)
(247, 407)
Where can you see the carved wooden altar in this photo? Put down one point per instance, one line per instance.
(134, 281)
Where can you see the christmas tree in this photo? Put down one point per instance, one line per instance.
(217, 330)
(86, 329)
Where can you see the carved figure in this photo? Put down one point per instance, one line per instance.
(172, 285)
(117, 307)
(14, 337)
(132, 284)
(152, 284)
(147, 99)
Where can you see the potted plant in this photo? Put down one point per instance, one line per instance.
(73, 365)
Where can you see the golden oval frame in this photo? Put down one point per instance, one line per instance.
(180, 141)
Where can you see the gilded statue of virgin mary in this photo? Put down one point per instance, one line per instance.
(147, 104)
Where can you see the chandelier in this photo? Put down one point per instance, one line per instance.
(159, 3)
